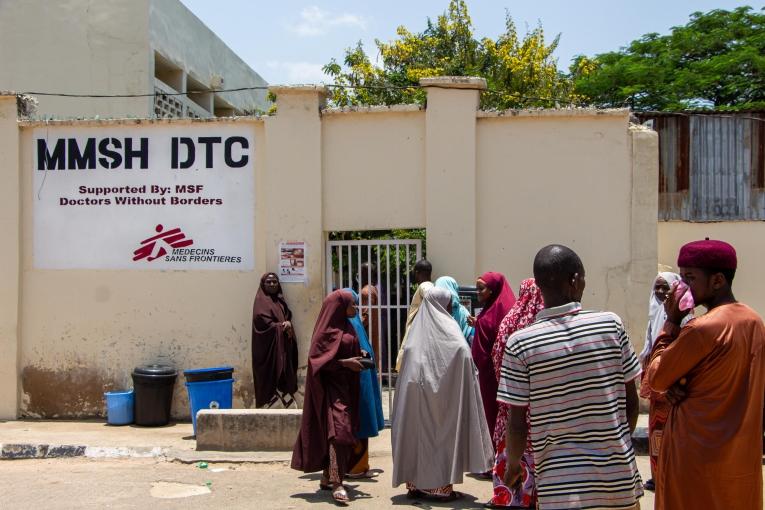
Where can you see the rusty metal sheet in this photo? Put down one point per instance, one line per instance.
(712, 166)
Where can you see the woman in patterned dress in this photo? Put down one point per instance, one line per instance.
(522, 314)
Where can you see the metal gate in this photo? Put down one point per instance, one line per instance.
(386, 266)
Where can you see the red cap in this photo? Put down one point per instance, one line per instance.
(708, 255)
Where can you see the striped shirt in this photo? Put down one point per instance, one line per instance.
(570, 367)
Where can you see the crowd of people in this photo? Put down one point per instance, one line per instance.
(536, 393)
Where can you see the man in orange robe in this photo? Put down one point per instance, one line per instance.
(713, 372)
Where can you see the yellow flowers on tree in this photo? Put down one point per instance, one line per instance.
(520, 72)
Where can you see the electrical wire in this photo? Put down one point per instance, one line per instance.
(553, 100)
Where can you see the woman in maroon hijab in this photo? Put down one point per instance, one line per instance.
(330, 410)
(274, 349)
(496, 297)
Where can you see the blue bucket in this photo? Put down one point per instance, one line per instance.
(119, 407)
(209, 395)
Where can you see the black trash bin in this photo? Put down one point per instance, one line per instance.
(153, 394)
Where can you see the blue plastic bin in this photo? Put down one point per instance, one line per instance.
(119, 407)
(209, 395)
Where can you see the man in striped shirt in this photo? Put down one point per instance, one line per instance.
(575, 372)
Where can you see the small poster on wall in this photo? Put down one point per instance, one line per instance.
(292, 262)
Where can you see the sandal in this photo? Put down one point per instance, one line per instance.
(359, 476)
(340, 495)
(455, 495)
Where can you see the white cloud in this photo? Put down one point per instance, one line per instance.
(315, 21)
(297, 72)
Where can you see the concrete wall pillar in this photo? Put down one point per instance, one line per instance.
(293, 174)
(10, 217)
(450, 174)
(644, 144)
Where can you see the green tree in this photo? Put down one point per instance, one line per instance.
(520, 72)
(716, 60)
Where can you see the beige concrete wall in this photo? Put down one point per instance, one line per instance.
(450, 193)
(374, 168)
(581, 177)
(84, 331)
(547, 177)
(746, 236)
(9, 258)
(292, 183)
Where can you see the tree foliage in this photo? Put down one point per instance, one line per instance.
(520, 71)
(716, 60)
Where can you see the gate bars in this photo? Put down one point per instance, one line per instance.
(389, 267)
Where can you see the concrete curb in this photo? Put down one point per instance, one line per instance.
(10, 451)
(23, 451)
(20, 451)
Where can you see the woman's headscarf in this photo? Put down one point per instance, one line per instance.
(274, 354)
(487, 322)
(331, 324)
(486, 327)
(371, 418)
(459, 312)
(414, 307)
(523, 313)
(656, 314)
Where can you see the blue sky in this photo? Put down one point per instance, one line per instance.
(289, 41)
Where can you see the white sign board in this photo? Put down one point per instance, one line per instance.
(292, 262)
(144, 197)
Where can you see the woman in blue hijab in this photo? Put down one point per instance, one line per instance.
(459, 312)
(371, 420)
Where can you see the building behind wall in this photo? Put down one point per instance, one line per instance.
(711, 165)
(154, 48)
(712, 184)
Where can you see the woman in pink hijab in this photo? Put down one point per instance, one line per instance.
(496, 297)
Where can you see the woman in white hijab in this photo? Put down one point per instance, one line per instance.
(659, 408)
(439, 431)
(656, 314)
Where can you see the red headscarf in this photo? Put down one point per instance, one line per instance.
(487, 323)
(486, 327)
(523, 313)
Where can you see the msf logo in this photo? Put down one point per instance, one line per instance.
(158, 246)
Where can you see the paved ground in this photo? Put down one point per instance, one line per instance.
(145, 483)
(156, 483)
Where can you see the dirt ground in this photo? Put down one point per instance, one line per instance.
(155, 484)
